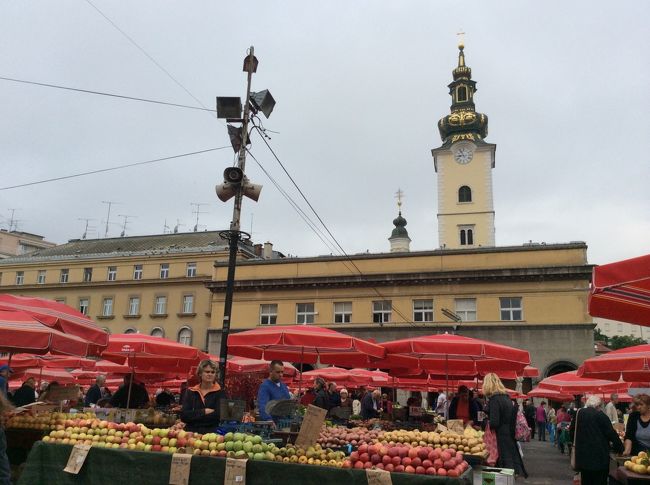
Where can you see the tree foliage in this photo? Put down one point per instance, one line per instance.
(622, 341)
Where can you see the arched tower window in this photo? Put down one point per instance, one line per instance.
(461, 93)
(464, 194)
(466, 235)
(185, 336)
(157, 332)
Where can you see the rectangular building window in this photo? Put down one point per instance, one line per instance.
(40, 278)
(164, 271)
(190, 270)
(83, 305)
(304, 313)
(423, 310)
(137, 272)
(511, 308)
(188, 303)
(466, 309)
(88, 275)
(381, 311)
(268, 314)
(343, 312)
(160, 308)
(107, 307)
(466, 234)
(63, 276)
(134, 305)
(112, 273)
(20, 277)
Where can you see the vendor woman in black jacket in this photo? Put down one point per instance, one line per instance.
(200, 410)
(637, 431)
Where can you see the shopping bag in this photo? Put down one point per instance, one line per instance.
(490, 440)
(522, 431)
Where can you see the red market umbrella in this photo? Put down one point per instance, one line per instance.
(59, 375)
(20, 333)
(56, 316)
(621, 291)
(451, 356)
(570, 383)
(334, 374)
(243, 365)
(549, 394)
(529, 371)
(629, 364)
(304, 344)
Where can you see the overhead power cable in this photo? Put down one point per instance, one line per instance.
(101, 170)
(100, 93)
(146, 54)
(341, 250)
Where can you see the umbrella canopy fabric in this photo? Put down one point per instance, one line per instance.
(59, 375)
(571, 383)
(25, 361)
(629, 364)
(149, 353)
(57, 316)
(549, 394)
(456, 355)
(621, 291)
(305, 344)
(242, 365)
(19, 333)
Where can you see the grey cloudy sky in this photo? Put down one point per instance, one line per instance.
(359, 88)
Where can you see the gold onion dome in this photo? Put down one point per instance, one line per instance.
(463, 123)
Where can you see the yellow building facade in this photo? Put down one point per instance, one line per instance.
(153, 285)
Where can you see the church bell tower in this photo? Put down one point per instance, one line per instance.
(464, 164)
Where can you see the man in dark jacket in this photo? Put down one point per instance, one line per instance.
(593, 433)
(25, 394)
(530, 414)
(370, 405)
(139, 396)
(94, 393)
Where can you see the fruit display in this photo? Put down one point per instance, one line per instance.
(639, 464)
(471, 441)
(45, 421)
(338, 436)
(313, 455)
(405, 458)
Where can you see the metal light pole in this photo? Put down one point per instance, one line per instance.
(236, 184)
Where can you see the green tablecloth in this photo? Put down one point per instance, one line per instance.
(46, 462)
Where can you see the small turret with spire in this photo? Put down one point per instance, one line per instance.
(400, 241)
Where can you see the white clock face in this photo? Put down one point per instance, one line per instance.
(463, 155)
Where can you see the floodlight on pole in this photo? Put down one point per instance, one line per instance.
(236, 184)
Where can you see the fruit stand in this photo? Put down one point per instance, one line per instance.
(110, 466)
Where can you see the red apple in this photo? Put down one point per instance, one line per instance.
(399, 468)
(396, 461)
(379, 466)
(416, 462)
(423, 453)
(354, 456)
(393, 452)
(453, 473)
(413, 453)
(367, 465)
(362, 449)
(431, 471)
(375, 459)
(409, 469)
(346, 464)
(372, 449)
(389, 467)
(156, 448)
(403, 451)
(442, 472)
(386, 459)
(364, 457)
(358, 464)
(420, 470)
(445, 455)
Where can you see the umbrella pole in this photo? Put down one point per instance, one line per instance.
(302, 352)
(9, 361)
(128, 398)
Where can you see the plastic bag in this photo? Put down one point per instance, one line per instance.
(490, 440)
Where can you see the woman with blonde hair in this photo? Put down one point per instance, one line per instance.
(503, 418)
(201, 402)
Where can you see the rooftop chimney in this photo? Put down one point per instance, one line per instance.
(268, 250)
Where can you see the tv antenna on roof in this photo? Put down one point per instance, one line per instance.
(85, 234)
(178, 224)
(125, 223)
(197, 211)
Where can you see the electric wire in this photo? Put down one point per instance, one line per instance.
(101, 170)
(319, 233)
(344, 253)
(146, 54)
(100, 93)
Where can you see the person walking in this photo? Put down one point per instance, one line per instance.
(592, 433)
(529, 414)
(502, 415)
(610, 408)
(552, 422)
(540, 418)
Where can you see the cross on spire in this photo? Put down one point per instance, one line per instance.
(461, 39)
(398, 195)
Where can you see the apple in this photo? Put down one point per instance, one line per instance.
(156, 448)
(375, 459)
(140, 445)
(406, 461)
(412, 453)
(389, 467)
(368, 465)
(399, 468)
(155, 440)
(431, 471)
(358, 465)
(354, 456)
(173, 442)
(164, 441)
(386, 459)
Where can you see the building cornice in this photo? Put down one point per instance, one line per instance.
(555, 273)
(201, 280)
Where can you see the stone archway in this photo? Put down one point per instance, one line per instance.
(560, 366)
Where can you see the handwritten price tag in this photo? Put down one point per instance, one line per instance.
(311, 426)
(77, 458)
(179, 473)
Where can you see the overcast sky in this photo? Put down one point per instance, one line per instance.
(359, 88)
